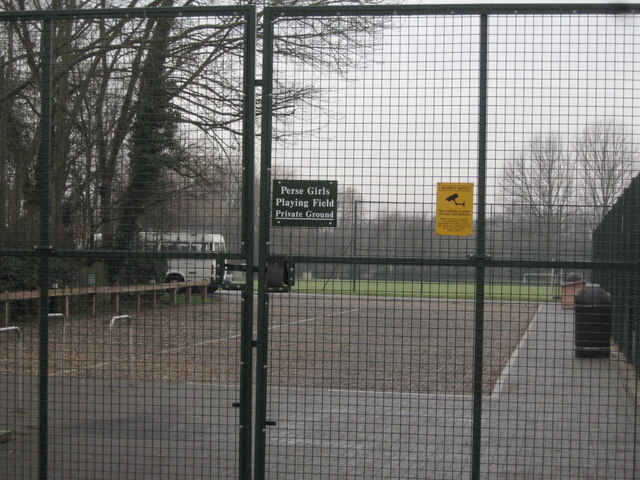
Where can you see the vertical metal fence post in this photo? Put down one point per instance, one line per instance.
(44, 248)
(478, 360)
(246, 334)
(263, 248)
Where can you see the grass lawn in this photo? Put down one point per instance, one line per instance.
(515, 292)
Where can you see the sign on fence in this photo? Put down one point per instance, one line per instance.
(454, 209)
(304, 203)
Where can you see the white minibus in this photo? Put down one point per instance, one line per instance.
(188, 269)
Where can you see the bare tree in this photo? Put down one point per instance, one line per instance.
(605, 157)
(98, 76)
(348, 212)
(538, 189)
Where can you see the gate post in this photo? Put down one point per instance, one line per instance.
(263, 250)
(44, 248)
(480, 256)
(245, 447)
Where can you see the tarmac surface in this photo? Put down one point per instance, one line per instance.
(550, 416)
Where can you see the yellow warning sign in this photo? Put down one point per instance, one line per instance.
(454, 209)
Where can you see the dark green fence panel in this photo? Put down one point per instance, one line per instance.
(616, 241)
(126, 162)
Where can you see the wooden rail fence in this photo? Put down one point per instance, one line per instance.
(113, 291)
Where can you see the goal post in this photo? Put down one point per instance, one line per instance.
(539, 278)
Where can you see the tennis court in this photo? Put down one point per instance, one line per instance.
(365, 343)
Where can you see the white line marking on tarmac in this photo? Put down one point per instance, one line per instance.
(219, 340)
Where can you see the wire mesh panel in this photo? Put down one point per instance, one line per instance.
(563, 145)
(371, 356)
(433, 330)
(379, 383)
(124, 144)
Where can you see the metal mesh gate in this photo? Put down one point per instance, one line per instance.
(124, 139)
(430, 331)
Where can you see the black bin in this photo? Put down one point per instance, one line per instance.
(592, 322)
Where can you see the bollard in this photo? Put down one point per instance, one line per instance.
(58, 316)
(20, 343)
(573, 284)
(132, 352)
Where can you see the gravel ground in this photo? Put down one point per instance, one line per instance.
(338, 342)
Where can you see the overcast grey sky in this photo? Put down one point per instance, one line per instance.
(408, 118)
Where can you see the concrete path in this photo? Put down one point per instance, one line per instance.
(555, 416)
